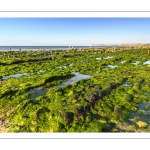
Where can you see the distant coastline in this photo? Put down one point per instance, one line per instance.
(15, 48)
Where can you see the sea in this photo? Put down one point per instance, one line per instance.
(16, 48)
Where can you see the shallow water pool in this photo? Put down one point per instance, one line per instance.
(98, 58)
(146, 62)
(136, 63)
(78, 76)
(108, 57)
(18, 75)
(112, 66)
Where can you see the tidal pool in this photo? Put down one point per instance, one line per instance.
(41, 70)
(123, 61)
(108, 57)
(71, 64)
(142, 114)
(127, 83)
(112, 66)
(136, 63)
(61, 67)
(146, 62)
(14, 76)
(105, 69)
(40, 91)
(98, 58)
(78, 76)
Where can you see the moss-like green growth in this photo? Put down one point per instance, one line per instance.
(40, 91)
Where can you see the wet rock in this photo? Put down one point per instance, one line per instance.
(47, 85)
(3, 63)
(62, 101)
(37, 115)
(102, 94)
(118, 111)
(80, 111)
(113, 86)
(69, 117)
(76, 96)
(87, 108)
(142, 82)
(141, 124)
(17, 61)
(99, 87)
(1, 77)
(88, 87)
(125, 72)
(93, 97)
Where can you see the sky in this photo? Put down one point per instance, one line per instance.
(73, 31)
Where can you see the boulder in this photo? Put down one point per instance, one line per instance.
(141, 124)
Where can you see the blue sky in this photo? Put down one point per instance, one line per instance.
(73, 31)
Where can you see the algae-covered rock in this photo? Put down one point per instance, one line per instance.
(141, 124)
(69, 117)
(102, 121)
(93, 97)
(147, 107)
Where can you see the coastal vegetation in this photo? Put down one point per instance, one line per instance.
(76, 90)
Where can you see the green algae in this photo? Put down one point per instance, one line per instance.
(36, 102)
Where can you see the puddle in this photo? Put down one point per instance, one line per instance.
(71, 64)
(147, 62)
(127, 83)
(108, 57)
(105, 69)
(78, 76)
(14, 76)
(146, 93)
(41, 70)
(123, 61)
(61, 67)
(40, 91)
(136, 63)
(142, 114)
(112, 66)
(34, 93)
(98, 58)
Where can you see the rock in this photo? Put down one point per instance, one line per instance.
(113, 86)
(80, 111)
(102, 94)
(141, 124)
(118, 111)
(69, 117)
(40, 111)
(76, 96)
(102, 121)
(17, 61)
(87, 108)
(93, 97)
